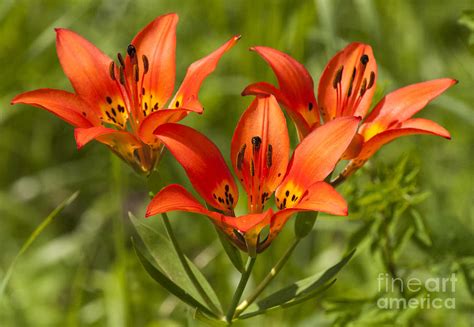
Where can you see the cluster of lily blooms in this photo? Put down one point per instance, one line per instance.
(125, 105)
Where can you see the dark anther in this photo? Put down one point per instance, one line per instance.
(146, 64)
(136, 72)
(146, 106)
(363, 87)
(279, 174)
(214, 195)
(144, 113)
(256, 141)
(287, 193)
(227, 188)
(120, 108)
(310, 106)
(112, 70)
(131, 50)
(120, 59)
(231, 199)
(371, 80)
(122, 76)
(293, 198)
(240, 156)
(337, 77)
(143, 91)
(269, 155)
(177, 104)
(349, 92)
(109, 100)
(252, 168)
(155, 106)
(114, 112)
(364, 59)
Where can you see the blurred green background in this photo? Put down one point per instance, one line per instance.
(411, 207)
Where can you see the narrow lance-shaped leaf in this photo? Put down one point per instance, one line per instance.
(301, 288)
(162, 252)
(166, 282)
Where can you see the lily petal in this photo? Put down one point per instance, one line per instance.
(347, 84)
(187, 95)
(410, 127)
(155, 119)
(108, 136)
(295, 84)
(402, 104)
(67, 106)
(319, 197)
(88, 70)
(260, 150)
(203, 163)
(157, 41)
(175, 197)
(315, 157)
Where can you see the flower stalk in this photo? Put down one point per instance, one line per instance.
(240, 288)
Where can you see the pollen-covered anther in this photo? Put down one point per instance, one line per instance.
(256, 142)
(364, 59)
(371, 80)
(146, 64)
(240, 156)
(337, 77)
(131, 51)
(349, 91)
(136, 72)
(269, 155)
(363, 87)
(122, 76)
(112, 70)
(120, 59)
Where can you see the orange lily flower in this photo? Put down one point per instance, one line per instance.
(121, 104)
(259, 155)
(346, 88)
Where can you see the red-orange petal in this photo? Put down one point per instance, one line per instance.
(151, 122)
(295, 84)
(67, 106)
(402, 104)
(347, 84)
(410, 127)
(157, 41)
(315, 157)
(187, 95)
(260, 150)
(88, 70)
(203, 163)
(319, 197)
(172, 198)
(109, 136)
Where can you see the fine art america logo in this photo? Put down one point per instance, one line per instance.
(439, 292)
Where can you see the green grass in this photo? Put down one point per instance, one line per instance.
(82, 271)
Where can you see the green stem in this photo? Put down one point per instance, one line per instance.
(185, 264)
(271, 275)
(240, 287)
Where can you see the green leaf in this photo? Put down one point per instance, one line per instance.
(304, 223)
(166, 282)
(421, 231)
(166, 259)
(232, 252)
(299, 291)
(210, 321)
(290, 303)
(48, 220)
